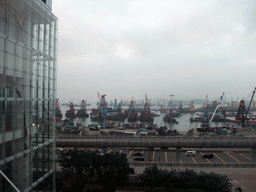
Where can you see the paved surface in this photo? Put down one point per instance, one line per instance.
(243, 178)
(221, 156)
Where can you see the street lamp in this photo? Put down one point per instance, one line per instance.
(171, 99)
(171, 112)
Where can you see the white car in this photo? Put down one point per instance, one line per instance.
(190, 153)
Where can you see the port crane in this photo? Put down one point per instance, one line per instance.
(206, 120)
(242, 113)
(218, 104)
(102, 104)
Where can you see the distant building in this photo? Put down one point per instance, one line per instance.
(28, 48)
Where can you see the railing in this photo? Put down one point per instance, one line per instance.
(148, 143)
(201, 165)
(9, 181)
(160, 137)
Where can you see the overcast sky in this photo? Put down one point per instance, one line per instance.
(125, 48)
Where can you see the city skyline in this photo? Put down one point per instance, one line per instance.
(128, 48)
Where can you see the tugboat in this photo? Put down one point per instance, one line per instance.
(133, 115)
(71, 112)
(145, 115)
(169, 116)
(117, 112)
(191, 108)
(242, 113)
(82, 111)
(205, 122)
(57, 110)
(101, 113)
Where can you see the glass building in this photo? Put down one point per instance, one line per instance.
(28, 52)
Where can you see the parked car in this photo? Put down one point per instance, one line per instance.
(137, 154)
(139, 159)
(190, 153)
(208, 155)
(93, 127)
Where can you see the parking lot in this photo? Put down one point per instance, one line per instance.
(169, 156)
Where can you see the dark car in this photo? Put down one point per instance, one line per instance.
(139, 159)
(93, 127)
(132, 171)
(137, 154)
(208, 155)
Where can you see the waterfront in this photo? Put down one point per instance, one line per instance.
(183, 125)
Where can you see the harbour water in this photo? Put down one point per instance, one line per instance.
(183, 121)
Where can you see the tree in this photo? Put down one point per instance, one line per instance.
(154, 177)
(78, 166)
(214, 182)
(162, 131)
(113, 170)
(187, 180)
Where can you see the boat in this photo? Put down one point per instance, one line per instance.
(101, 113)
(189, 109)
(162, 109)
(169, 116)
(71, 112)
(58, 113)
(132, 114)
(242, 114)
(82, 111)
(145, 115)
(117, 113)
(219, 118)
(111, 103)
(205, 122)
(195, 119)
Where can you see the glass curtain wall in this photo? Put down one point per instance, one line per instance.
(28, 48)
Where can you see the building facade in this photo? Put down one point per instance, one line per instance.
(28, 52)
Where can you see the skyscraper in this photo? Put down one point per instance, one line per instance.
(28, 52)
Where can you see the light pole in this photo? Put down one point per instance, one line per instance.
(171, 112)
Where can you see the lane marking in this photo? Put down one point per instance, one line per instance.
(245, 156)
(219, 158)
(109, 151)
(244, 187)
(120, 151)
(235, 181)
(233, 158)
(194, 160)
(207, 159)
(129, 155)
(153, 155)
(166, 157)
(180, 161)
